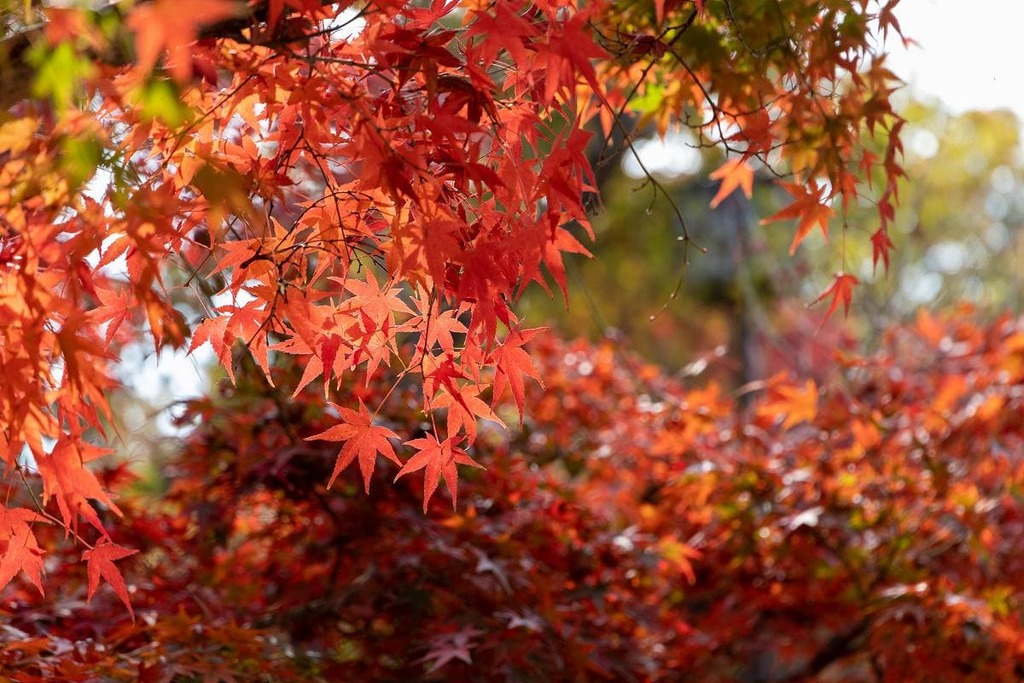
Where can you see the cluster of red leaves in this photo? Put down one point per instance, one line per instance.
(861, 529)
(359, 186)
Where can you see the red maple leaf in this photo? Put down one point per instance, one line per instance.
(841, 290)
(379, 304)
(100, 559)
(22, 552)
(438, 459)
(116, 308)
(363, 440)
(881, 245)
(444, 376)
(511, 363)
(463, 411)
(65, 477)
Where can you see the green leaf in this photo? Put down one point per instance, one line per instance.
(79, 159)
(60, 73)
(160, 100)
(650, 101)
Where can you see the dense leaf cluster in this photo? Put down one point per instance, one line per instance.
(861, 526)
(360, 186)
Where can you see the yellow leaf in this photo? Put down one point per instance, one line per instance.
(16, 135)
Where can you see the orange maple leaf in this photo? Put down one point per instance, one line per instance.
(215, 331)
(23, 552)
(100, 559)
(379, 304)
(363, 440)
(795, 402)
(438, 459)
(841, 290)
(66, 478)
(439, 327)
(116, 308)
(734, 173)
(800, 403)
(173, 25)
(808, 207)
(679, 555)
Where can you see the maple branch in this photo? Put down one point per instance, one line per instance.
(681, 30)
(759, 54)
(836, 648)
(42, 511)
(658, 187)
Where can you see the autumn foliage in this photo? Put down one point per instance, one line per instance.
(861, 526)
(297, 148)
(349, 198)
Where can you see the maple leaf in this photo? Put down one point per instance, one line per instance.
(756, 131)
(563, 243)
(100, 559)
(797, 403)
(116, 308)
(379, 304)
(463, 411)
(172, 25)
(511, 364)
(23, 552)
(215, 331)
(807, 206)
(505, 30)
(438, 459)
(438, 328)
(363, 440)
(734, 173)
(881, 245)
(450, 646)
(678, 555)
(314, 368)
(887, 20)
(65, 477)
(841, 290)
(443, 376)
(441, 329)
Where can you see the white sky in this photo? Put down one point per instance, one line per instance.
(969, 52)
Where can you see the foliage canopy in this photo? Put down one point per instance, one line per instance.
(366, 189)
(865, 526)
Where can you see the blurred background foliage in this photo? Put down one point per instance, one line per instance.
(957, 233)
